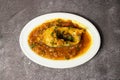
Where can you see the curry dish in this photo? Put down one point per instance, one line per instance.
(59, 39)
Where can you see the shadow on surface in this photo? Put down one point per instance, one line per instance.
(99, 30)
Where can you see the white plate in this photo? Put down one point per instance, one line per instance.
(59, 63)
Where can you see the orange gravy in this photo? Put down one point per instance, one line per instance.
(58, 53)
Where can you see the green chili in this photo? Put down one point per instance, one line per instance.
(67, 57)
(32, 45)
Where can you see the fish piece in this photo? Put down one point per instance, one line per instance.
(62, 36)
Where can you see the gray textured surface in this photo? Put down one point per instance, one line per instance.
(14, 14)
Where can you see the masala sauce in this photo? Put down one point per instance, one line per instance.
(58, 53)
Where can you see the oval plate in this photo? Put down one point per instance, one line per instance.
(59, 63)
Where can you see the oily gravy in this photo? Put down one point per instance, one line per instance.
(67, 42)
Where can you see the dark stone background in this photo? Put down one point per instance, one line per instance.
(14, 14)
